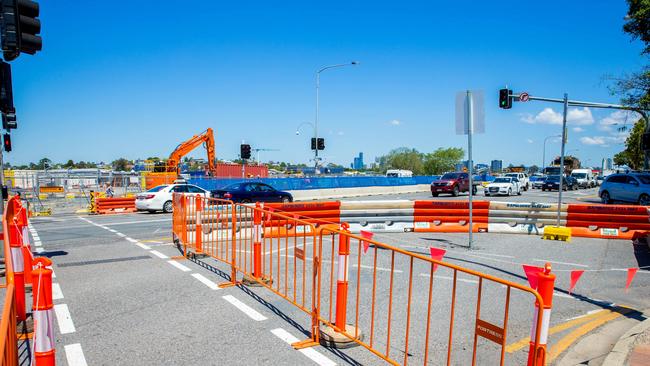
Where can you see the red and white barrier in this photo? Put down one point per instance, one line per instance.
(43, 313)
(545, 287)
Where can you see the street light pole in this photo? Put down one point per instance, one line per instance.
(317, 105)
(544, 150)
(315, 133)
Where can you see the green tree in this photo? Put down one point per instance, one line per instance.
(442, 160)
(44, 163)
(638, 22)
(69, 164)
(120, 164)
(632, 156)
(405, 158)
(533, 169)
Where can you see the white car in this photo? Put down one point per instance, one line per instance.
(522, 178)
(503, 185)
(160, 198)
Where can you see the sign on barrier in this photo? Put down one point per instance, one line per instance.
(51, 189)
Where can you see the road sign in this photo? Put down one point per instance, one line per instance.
(523, 97)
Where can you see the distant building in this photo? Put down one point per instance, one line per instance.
(608, 164)
(496, 166)
(357, 163)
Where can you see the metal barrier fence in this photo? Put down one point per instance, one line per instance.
(402, 306)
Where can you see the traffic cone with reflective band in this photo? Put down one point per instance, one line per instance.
(545, 288)
(257, 241)
(199, 226)
(342, 279)
(44, 352)
(18, 263)
(27, 254)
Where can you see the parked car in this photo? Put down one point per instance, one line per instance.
(503, 185)
(522, 177)
(452, 183)
(585, 178)
(248, 192)
(632, 187)
(399, 173)
(537, 181)
(599, 180)
(572, 183)
(552, 183)
(160, 198)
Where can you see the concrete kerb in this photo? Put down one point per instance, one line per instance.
(619, 354)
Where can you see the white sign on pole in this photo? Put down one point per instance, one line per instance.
(462, 115)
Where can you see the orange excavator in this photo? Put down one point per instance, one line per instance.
(207, 139)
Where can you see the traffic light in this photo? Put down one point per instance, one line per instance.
(6, 90)
(19, 28)
(245, 151)
(505, 98)
(6, 141)
(9, 121)
(320, 143)
(313, 143)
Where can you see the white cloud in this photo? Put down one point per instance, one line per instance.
(618, 119)
(395, 122)
(596, 140)
(530, 141)
(340, 133)
(575, 116)
(578, 129)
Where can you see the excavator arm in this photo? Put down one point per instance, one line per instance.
(206, 137)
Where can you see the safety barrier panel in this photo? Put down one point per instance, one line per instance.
(450, 216)
(19, 270)
(393, 302)
(608, 221)
(523, 217)
(104, 205)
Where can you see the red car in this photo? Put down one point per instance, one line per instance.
(452, 183)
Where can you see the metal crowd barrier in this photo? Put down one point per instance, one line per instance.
(399, 305)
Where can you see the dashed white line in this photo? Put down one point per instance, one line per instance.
(311, 353)
(39, 250)
(56, 292)
(131, 240)
(448, 278)
(179, 266)
(557, 262)
(121, 235)
(378, 268)
(112, 230)
(75, 355)
(252, 313)
(158, 254)
(143, 246)
(205, 281)
(64, 319)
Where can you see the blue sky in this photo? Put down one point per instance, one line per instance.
(134, 81)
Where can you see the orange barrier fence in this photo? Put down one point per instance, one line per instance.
(608, 221)
(103, 206)
(402, 306)
(450, 216)
(19, 270)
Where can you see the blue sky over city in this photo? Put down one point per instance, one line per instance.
(135, 81)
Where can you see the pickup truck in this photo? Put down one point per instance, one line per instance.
(522, 177)
(452, 183)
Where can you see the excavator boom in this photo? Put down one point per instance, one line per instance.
(207, 138)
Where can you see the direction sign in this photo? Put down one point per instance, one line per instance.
(523, 97)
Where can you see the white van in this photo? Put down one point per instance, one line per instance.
(399, 173)
(585, 177)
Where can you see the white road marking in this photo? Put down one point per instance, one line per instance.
(56, 292)
(252, 313)
(158, 254)
(179, 266)
(435, 276)
(75, 355)
(560, 294)
(565, 263)
(121, 235)
(131, 240)
(53, 274)
(112, 230)
(39, 250)
(378, 268)
(205, 281)
(311, 353)
(143, 246)
(587, 314)
(38, 243)
(63, 318)
(138, 222)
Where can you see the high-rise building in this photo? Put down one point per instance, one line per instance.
(357, 163)
(496, 166)
(607, 164)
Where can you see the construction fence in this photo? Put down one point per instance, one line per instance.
(401, 306)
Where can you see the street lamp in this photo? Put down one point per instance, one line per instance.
(306, 123)
(353, 63)
(544, 150)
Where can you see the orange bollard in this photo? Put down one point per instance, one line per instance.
(18, 263)
(27, 255)
(198, 208)
(342, 279)
(257, 241)
(545, 288)
(44, 352)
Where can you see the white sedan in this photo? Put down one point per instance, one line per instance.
(503, 185)
(160, 198)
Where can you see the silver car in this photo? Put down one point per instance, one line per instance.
(633, 187)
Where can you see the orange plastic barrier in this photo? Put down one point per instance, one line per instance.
(334, 278)
(608, 221)
(105, 206)
(450, 216)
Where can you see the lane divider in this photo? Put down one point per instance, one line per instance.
(310, 353)
(204, 280)
(179, 266)
(158, 254)
(64, 319)
(74, 354)
(252, 313)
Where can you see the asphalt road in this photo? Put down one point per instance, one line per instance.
(533, 195)
(129, 305)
